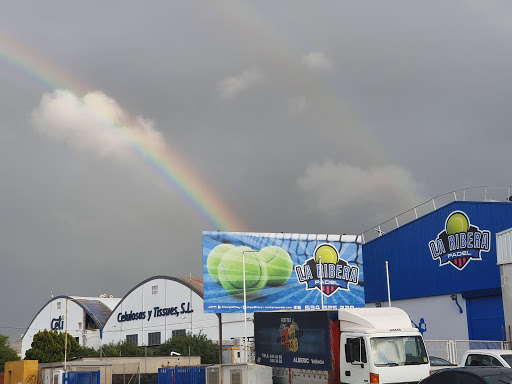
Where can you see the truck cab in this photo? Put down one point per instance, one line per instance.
(380, 346)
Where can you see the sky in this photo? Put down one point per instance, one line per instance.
(127, 128)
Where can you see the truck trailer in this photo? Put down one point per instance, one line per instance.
(352, 345)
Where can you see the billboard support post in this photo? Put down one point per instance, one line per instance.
(245, 305)
(321, 282)
(387, 278)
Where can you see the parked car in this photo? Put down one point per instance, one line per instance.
(470, 375)
(487, 357)
(439, 363)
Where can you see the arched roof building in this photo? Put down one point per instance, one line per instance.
(86, 317)
(159, 308)
(153, 311)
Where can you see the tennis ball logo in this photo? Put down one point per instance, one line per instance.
(457, 222)
(327, 254)
(279, 265)
(214, 257)
(230, 272)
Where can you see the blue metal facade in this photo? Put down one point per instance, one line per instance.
(485, 318)
(416, 270)
(85, 377)
(182, 375)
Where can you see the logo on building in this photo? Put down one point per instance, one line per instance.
(57, 324)
(326, 271)
(459, 242)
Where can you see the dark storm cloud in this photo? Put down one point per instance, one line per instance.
(313, 117)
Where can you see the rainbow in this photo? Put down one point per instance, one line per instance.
(167, 164)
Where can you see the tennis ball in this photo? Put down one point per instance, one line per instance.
(214, 257)
(457, 223)
(279, 264)
(230, 272)
(328, 253)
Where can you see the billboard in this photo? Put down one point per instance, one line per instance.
(294, 339)
(282, 271)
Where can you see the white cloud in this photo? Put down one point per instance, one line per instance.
(232, 86)
(94, 122)
(345, 188)
(317, 60)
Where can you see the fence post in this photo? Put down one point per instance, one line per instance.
(451, 351)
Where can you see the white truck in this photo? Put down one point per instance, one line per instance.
(353, 345)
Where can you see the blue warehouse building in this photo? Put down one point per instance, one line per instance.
(442, 269)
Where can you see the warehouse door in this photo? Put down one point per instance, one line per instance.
(486, 320)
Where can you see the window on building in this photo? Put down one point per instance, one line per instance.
(79, 325)
(59, 304)
(89, 322)
(154, 338)
(132, 339)
(77, 340)
(178, 332)
(154, 289)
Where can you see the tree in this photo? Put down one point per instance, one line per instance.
(126, 348)
(6, 352)
(199, 345)
(48, 347)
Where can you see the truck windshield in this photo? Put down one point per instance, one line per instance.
(398, 350)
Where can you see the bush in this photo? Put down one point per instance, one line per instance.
(199, 345)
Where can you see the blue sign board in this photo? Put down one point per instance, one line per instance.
(282, 271)
(450, 250)
(294, 339)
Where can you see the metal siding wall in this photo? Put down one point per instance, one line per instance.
(485, 318)
(412, 270)
(504, 246)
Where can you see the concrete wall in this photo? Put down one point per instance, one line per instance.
(24, 371)
(506, 292)
(248, 373)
